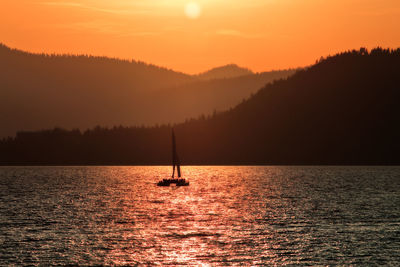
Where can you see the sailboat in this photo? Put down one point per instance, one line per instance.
(175, 164)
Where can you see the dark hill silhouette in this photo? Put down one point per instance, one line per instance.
(342, 110)
(40, 91)
(223, 72)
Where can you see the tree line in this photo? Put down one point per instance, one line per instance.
(342, 110)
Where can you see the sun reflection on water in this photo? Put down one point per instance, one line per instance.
(187, 225)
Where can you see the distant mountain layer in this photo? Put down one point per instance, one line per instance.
(206, 97)
(228, 71)
(44, 91)
(343, 110)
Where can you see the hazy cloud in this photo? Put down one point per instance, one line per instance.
(110, 10)
(149, 7)
(379, 12)
(235, 33)
(106, 27)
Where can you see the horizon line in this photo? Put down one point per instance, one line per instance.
(130, 60)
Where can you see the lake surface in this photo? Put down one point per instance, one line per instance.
(227, 216)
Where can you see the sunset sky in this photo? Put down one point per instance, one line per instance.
(193, 36)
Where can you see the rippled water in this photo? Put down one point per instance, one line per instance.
(228, 215)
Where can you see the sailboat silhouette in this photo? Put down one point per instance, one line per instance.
(175, 163)
(175, 158)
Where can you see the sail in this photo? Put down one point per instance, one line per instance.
(175, 158)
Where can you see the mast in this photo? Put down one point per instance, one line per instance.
(175, 158)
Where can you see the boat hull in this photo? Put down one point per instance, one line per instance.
(177, 182)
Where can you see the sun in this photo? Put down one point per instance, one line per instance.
(192, 10)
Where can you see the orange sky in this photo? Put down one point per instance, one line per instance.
(259, 34)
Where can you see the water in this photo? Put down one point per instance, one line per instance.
(227, 216)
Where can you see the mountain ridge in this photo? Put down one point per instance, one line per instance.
(41, 91)
(223, 72)
(341, 111)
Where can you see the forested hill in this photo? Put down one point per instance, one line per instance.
(40, 91)
(223, 72)
(67, 68)
(342, 110)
